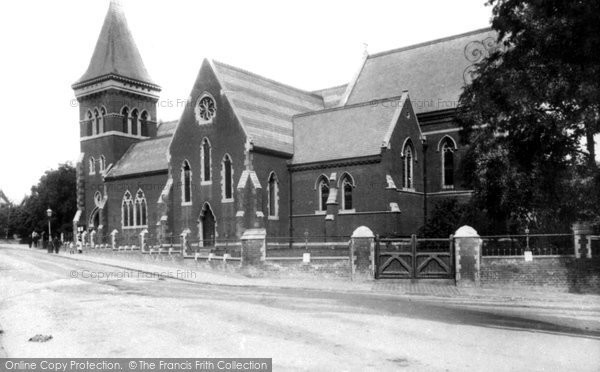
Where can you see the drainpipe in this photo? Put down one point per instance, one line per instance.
(424, 143)
(290, 202)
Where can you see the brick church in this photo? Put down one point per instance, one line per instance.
(250, 152)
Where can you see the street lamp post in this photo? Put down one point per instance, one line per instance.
(49, 213)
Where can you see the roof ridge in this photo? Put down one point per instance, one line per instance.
(283, 85)
(354, 105)
(430, 42)
(167, 122)
(328, 88)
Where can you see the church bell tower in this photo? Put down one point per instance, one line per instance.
(117, 108)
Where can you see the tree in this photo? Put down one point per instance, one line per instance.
(531, 112)
(56, 190)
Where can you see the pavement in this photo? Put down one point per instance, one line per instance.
(200, 272)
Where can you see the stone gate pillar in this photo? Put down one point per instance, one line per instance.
(582, 240)
(362, 252)
(254, 247)
(467, 246)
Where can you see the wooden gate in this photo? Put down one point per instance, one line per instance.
(413, 258)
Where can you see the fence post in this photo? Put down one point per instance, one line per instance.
(93, 239)
(83, 239)
(143, 240)
(184, 241)
(376, 256)
(468, 249)
(113, 239)
(452, 250)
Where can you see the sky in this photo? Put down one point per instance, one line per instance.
(47, 46)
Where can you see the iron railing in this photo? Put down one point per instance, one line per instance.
(538, 244)
(317, 246)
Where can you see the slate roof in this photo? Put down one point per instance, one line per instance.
(332, 96)
(344, 132)
(265, 107)
(146, 156)
(116, 52)
(432, 72)
(166, 128)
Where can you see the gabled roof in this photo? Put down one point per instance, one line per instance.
(265, 107)
(116, 53)
(345, 132)
(433, 72)
(146, 156)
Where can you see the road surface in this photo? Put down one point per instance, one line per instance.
(130, 314)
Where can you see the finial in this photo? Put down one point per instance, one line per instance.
(248, 156)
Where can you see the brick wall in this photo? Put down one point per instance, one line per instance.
(551, 272)
(325, 268)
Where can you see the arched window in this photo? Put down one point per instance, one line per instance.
(134, 122)
(102, 163)
(125, 113)
(96, 128)
(144, 123)
(102, 115)
(92, 165)
(448, 163)
(273, 196)
(127, 216)
(347, 186)
(227, 174)
(186, 182)
(141, 211)
(89, 124)
(205, 152)
(323, 190)
(407, 177)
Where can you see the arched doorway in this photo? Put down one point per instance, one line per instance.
(94, 219)
(207, 226)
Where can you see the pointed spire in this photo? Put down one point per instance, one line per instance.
(116, 52)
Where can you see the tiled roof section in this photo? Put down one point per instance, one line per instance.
(432, 72)
(346, 132)
(166, 128)
(265, 107)
(143, 157)
(332, 96)
(116, 52)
